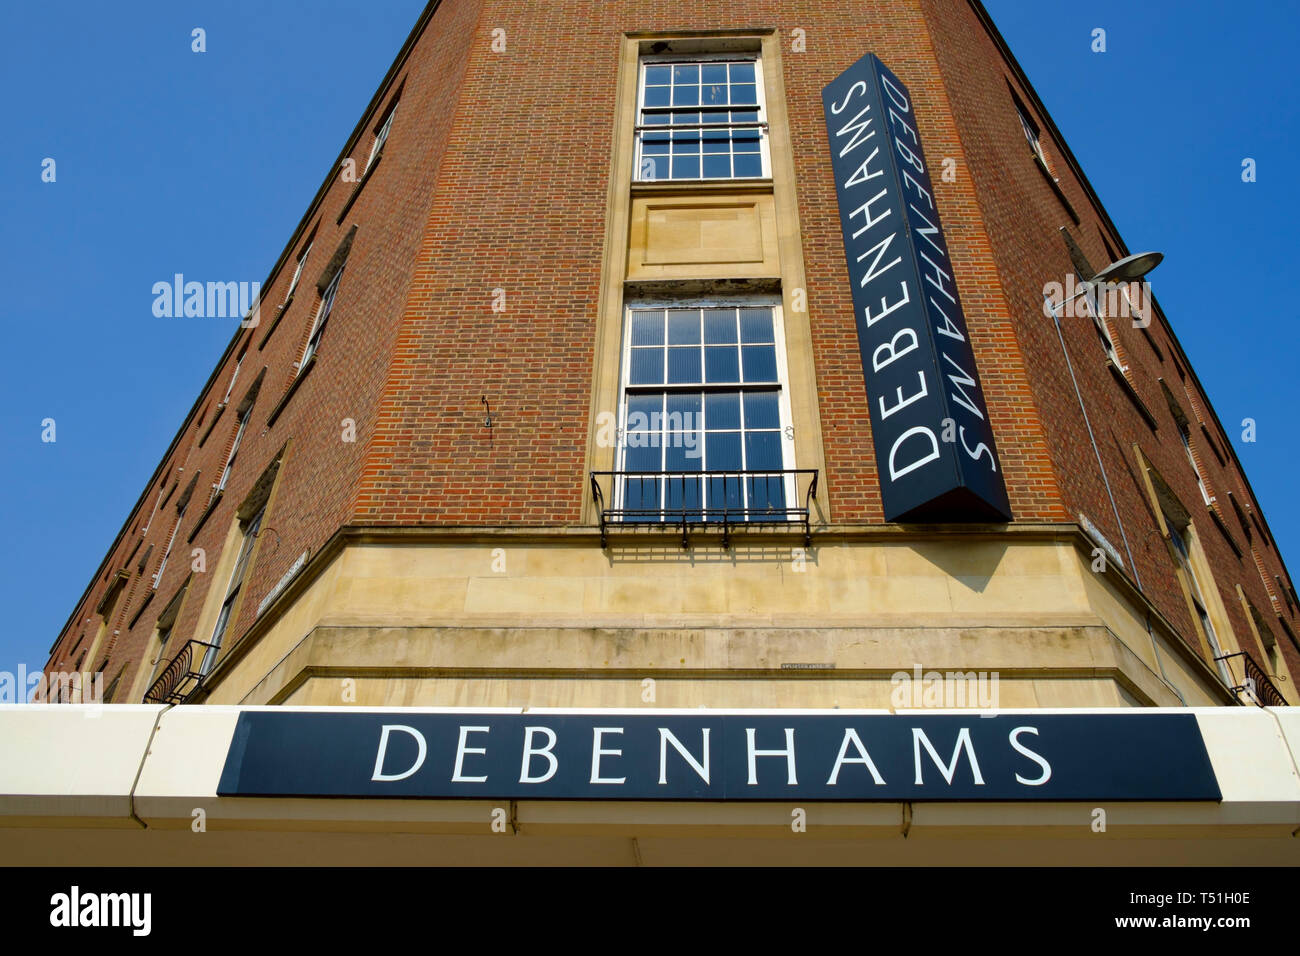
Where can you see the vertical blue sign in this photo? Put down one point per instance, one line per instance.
(935, 451)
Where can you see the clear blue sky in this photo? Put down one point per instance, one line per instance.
(171, 161)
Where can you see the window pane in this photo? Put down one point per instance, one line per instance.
(683, 327)
(644, 459)
(686, 167)
(722, 451)
(765, 494)
(760, 363)
(683, 365)
(762, 451)
(647, 328)
(647, 367)
(683, 411)
(641, 412)
(686, 96)
(713, 94)
(656, 96)
(686, 143)
(658, 75)
(719, 326)
(686, 73)
(742, 72)
(641, 494)
(717, 167)
(721, 410)
(762, 410)
(724, 492)
(756, 326)
(716, 140)
(748, 165)
(722, 364)
(683, 452)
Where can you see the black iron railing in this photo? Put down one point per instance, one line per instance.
(180, 678)
(1256, 687)
(722, 501)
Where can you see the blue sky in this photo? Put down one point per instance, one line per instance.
(173, 161)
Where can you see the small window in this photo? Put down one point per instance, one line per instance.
(381, 137)
(1103, 330)
(322, 316)
(1196, 469)
(232, 591)
(167, 553)
(701, 118)
(1178, 537)
(235, 375)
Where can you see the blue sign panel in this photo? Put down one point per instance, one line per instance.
(702, 756)
(935, 451)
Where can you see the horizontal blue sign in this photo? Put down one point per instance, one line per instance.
(719, 756)
(935, 452)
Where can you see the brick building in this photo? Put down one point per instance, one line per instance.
(443, 468)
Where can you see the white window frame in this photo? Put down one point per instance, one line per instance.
(234, 450)
(157, 577)
(1178, 537)
(322, 317)
(381, 137)
(1099, 320)
(1033, 135)
(297, 273)
(764, 139)
(235, 584)
(231, 387)
(1196, 469)
(782, 387)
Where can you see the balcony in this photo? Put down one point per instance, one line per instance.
(1255, 687)
(712, 501)
(182, 676)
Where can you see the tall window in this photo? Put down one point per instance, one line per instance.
(322, 316)
(1177, 536)
(234, 377)
(234, 449)
(164, 633)
(381, 137)
(704, 391)
(1103, 330)
(167, 553)
(1196, 469)
(297, 273)
(232, 591)
(1031, 135)
(701, 118)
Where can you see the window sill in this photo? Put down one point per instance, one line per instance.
(356, 191)
(289, 392)
(212, 506)
(658, 187)
(1132, 394)
(279, 314)
(212, 424)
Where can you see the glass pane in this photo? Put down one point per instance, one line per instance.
(721, 410)
(648, 328)
(686, 142)
(686, 167)
(722, 451)
(724, 492)
(721, 363)
(642, 412)
(762, 410)
(719, 326)
(742, 72)
(647, 367)
(656, 119)
(745, 140)
(649, 458)
(760, 363)
(683, 365)
(714, 94)
(744, 116)
(654, 144)
(723, 117)
(683, 411)
(744, 94)
(686, 73)
(713, 73)
(641, 495)
(762, 451)
(716, 141)
(683, 452)
(717, 167)
(686, 96)
(656, 96)
(756, 325)
(684, 494)
(658, 75)
(748, 166)
(683, 327)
